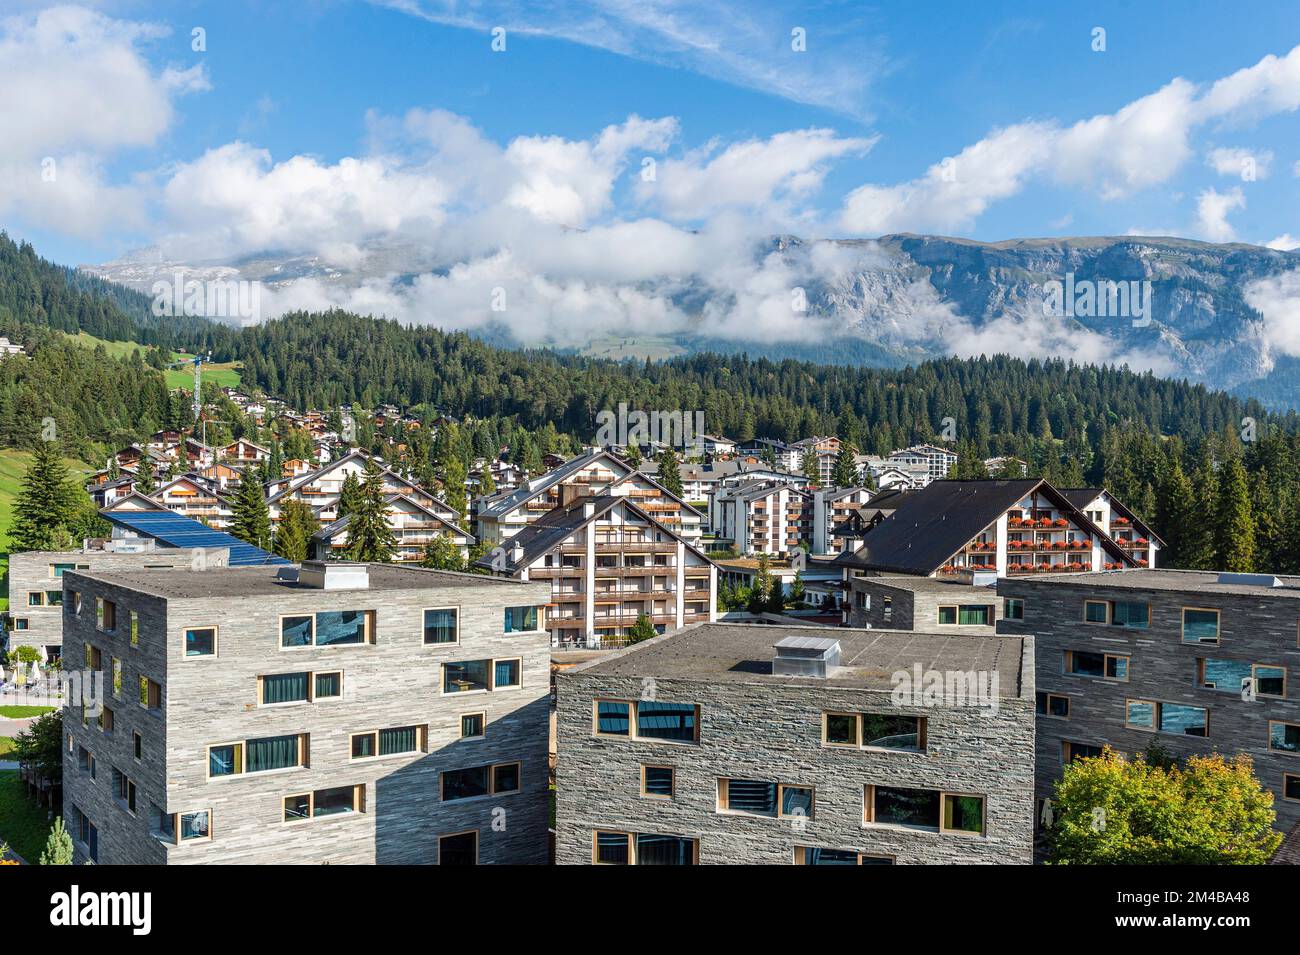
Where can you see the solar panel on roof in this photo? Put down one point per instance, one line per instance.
(176, 530)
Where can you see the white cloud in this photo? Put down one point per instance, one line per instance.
(1241, 163)
(747, 44)
(1277, 298)
(1115, 155)
(757, 174)
(1212, 208)
(1286, 242)
(78, 91)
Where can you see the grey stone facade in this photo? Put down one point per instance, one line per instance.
(394, 680)
(756, 726)
(1257, 625)
(912, 603)
(40, 625)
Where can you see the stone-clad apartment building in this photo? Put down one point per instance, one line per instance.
(333, 713)
(704, 746)
(36, 583)
(1126, 658)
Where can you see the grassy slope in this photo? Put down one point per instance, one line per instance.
(223, 373)
(23, 823)
(23, 712)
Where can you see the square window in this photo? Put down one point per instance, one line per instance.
(201, 642)
(1140, 713)
(505, 674)
(1200, 626)
(365, 745)
(1284, 737)
(842, 729)
(1096, 611)
(1290, 786)
(520, 619)
(963, 814)
(329, 686)
(458, 849)
(296, 631)
(1013, 608)
(505, 778)
(440, 626)
(612, 848)
(471, 725)
(657, 781)
(612, 718)
(947, 615)
(195, 825)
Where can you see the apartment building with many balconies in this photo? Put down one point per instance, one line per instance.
(502, 516)
(608, 563)
(333, 713)
(832, 509)
(1006, 527)
(1198, 662)
(740, 744)
(765, 517)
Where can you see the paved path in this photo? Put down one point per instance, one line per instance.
(12, 728)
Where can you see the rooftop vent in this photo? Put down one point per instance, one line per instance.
(806, 656)
(334, 575)
(1251, 580)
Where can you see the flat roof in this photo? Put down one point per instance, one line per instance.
(954, 588)
(264, 581)
(1199, 581)
(742, 653)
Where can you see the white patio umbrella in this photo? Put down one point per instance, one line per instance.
(36, 672)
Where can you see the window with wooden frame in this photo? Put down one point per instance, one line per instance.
(473, 725)
(124, 790)
(397, 741)
(815, 855)
(304, 686)
(327, 628)
(1238, 676)
(1055, 705)
(478, 781)
(36, 598)
(1291, 787)
(134, 619)
(658, 782)
(176, 828)
(105, 615)
(441, 626)
(150, 694)
(1200, 625)
(137, 745)
(201, 642)
(1283, 737)
(1176, 718)
(458, 848)
(647, 720)
(754, 797)
(931, 810)
(259, 755)
(94, 659)
(1013, 608)
(117, 678)
(891, 731)
(609, 847)
(1105, 666)
(1096, 611)
(1071, 751)
(106, 720)
(319, 803)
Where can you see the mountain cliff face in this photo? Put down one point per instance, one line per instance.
(1227, 316)
(1217, 314)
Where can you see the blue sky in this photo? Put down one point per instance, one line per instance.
(922, 80)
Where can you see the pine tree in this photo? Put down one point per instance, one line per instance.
(251, 518)
(1234, 546)
(1175, 512)
(441, 553)
(370, 537)
(46, 504)
(643, 629)
(146, 481)
(58, 847)
(845, 472)
(760, 593)
(293, 535)
(812, 467)
(486, 485)
(349, 495)
(670, 474)
(454, 489)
